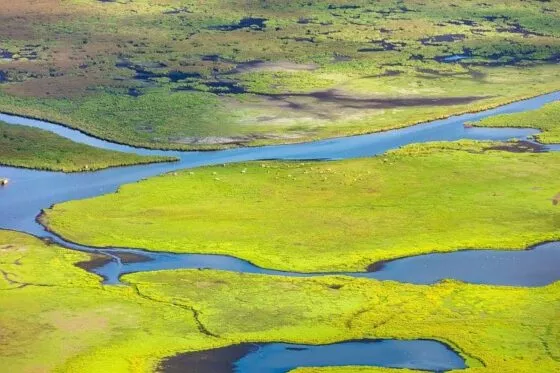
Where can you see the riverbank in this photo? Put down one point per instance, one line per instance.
(546, 119)
(34, 148)
(299, 216)
(377, 124)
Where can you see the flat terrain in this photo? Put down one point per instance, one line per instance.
(56, 317)
(331, 216)
(214, 74)
(34, 148)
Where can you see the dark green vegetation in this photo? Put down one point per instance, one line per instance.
(331, 216)
(191, 74)
(56, 317)
(546, 119)
(34, 148)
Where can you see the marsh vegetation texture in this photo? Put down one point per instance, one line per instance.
(214, 74)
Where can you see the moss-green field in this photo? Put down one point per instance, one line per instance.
(331, 216)
(56, 317)
(215, 74)
(547, 119)
(38, 149)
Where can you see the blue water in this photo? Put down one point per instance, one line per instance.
(417, 354)
(455, 57)
(30, 191)
(535, 267)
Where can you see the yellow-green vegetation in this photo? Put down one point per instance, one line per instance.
(56, 317)
(497, 329)
(546, 118)
(35, 148)
(331, 216)
(213, 74)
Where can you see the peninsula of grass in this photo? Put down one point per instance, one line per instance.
(38, 149)
(546, 119)
(56, 317)
(331, 216)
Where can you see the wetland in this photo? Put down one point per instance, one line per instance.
(304, 187)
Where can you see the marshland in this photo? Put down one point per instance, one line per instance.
(279, 186)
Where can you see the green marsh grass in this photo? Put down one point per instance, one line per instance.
(331, 216)
(38, 149)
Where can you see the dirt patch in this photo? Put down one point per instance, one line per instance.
(219, 360)
(281, 66)
(95, 261)
(128, 258)
(323, 107)
(519, 147)
(345, 100)
(232, 140)
(90, 321)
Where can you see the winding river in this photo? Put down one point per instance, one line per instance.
(30, 191)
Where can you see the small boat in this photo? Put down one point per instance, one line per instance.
(4, 181)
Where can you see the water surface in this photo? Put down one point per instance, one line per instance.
(283, 357)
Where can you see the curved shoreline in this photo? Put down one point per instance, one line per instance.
(407, 269)
(67, 186)
(92, 170)
(277, 356)
(139, 146)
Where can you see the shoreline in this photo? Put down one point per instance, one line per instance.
(310, 140)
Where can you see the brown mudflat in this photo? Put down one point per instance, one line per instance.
(127, 258)
(95, 261)
(218, 360)
(519, 147)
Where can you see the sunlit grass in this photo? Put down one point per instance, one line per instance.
(546, 119)
(331, 216)
(56, 317)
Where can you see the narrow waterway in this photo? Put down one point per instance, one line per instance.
(30, 191)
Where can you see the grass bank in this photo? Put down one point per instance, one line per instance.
(547, 119)
(497, 329)
(331, 216)
(38, 149)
